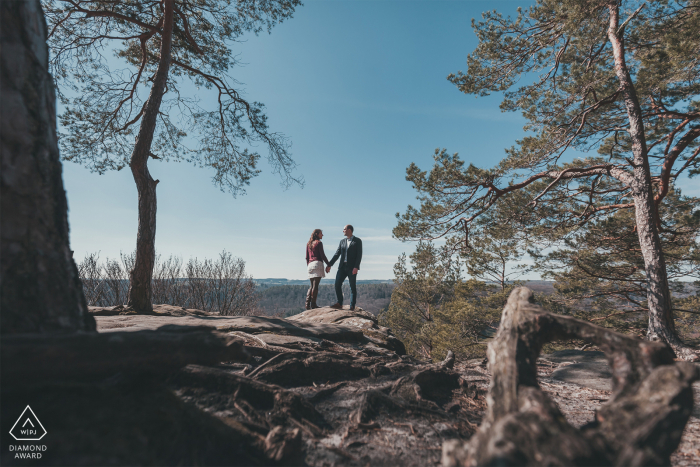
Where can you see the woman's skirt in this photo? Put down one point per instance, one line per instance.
(316, 269)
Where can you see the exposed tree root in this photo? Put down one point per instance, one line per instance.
(641, 424)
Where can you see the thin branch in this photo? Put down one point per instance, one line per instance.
(622, 26)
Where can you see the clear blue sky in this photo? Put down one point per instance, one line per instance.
(360, 89)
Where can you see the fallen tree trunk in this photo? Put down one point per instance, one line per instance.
(641, 424)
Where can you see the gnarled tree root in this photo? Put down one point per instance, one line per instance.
(641, 424)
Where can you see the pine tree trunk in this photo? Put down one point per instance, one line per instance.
(661, 325)
(140, 291)
(40, 290)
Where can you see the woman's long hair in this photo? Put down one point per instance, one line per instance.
(314, 238)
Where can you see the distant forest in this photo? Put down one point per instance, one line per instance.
(288, 300)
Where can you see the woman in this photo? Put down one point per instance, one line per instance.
(315, 257)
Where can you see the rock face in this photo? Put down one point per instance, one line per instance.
(39, 286)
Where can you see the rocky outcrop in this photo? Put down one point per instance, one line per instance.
(317, 329)
(188, 387)
(367, 323)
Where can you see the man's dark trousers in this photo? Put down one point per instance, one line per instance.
(346, 271)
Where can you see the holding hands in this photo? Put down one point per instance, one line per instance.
(354, 270)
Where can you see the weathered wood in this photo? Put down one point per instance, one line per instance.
(31, 358)
(641, 424)
(39, 286)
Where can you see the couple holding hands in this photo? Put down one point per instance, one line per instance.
(350, 254)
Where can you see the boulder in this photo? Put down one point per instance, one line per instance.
(359, 318)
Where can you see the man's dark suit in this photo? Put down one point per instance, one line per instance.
(350, 258)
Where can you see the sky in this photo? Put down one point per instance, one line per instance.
(360, 89)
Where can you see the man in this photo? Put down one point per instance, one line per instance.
(350, 254)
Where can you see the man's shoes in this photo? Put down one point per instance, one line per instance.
(352, 308)
(337, 306)
(314, 306)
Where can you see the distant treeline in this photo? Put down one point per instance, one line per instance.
(220, 285)
(288, 300)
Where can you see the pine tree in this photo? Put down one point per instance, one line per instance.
(118, 117)
(618, 78)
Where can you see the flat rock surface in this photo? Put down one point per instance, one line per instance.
(574, 356)
(275, 339)
(356, 328)
(358, 318)
(326, 314)
(587, 369)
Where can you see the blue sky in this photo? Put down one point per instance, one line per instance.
(360, 88)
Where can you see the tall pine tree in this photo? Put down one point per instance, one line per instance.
(617, 77)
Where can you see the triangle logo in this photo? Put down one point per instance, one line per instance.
(28, 427)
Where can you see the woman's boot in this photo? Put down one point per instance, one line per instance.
(310, 294)
(314, 294)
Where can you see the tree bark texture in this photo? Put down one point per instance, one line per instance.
(661, 325)
(140, 292)
(641, 424)
(39, 285)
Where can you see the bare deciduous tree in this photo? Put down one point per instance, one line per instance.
(219, 286)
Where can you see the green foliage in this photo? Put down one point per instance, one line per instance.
(688, 315)
(471, 318)
(420, 291)
(104, 55)
(573, 100)
(497, 246)
(432, 310)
